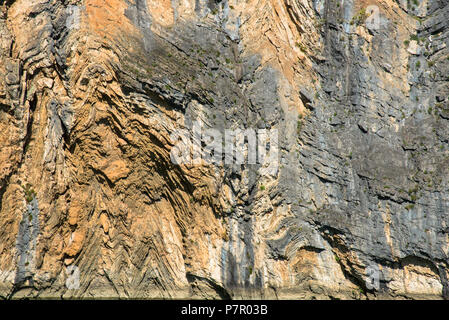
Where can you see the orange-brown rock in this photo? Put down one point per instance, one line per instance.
(91, 92)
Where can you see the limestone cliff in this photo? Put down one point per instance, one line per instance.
(91, 92)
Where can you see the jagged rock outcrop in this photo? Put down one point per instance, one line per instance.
(91, 92)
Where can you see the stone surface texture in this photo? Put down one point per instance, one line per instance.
(92, 90)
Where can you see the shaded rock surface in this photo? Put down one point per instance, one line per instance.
(91, 92)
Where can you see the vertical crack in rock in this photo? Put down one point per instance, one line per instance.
(26, 245)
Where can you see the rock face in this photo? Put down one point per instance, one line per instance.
(354, 205)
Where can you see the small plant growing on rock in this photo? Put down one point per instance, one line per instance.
(301, 46)
(30, 194)
(359, 18)
(299, 125)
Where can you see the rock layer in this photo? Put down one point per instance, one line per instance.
(91, 92)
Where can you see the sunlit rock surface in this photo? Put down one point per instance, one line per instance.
(91, 92)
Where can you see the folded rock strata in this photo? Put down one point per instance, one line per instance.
(92, 90)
